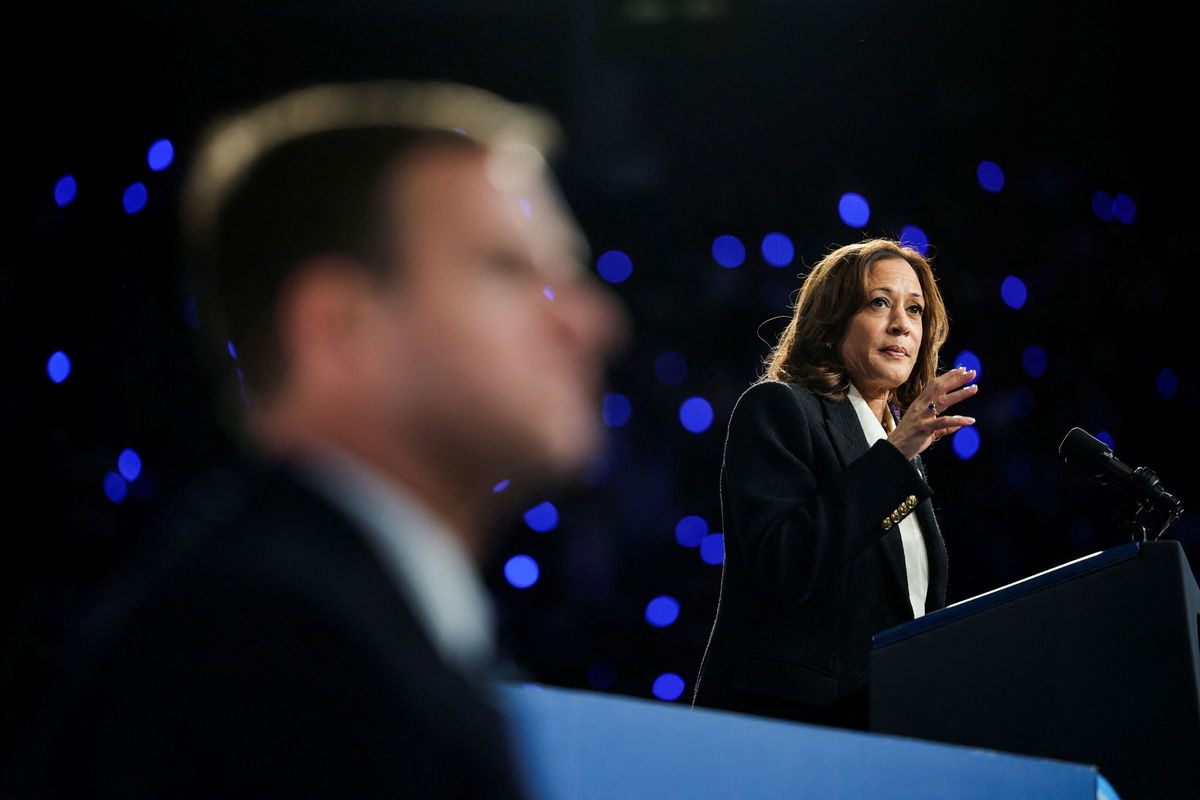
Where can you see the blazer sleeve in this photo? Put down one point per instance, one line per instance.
(798, 518)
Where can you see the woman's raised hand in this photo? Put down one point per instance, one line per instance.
(923, 423)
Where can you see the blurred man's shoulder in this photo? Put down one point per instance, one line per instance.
(248, 514)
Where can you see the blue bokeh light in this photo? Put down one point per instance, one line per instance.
(58, 366)
(1021, 402)
(1034, 360)
(778, 250)
(971, 361)
(614, 266)
(129, 464)
(966, 442)
(854, 209)
(616, 410)
(1102, 205)
(191, 313)
(914, 237)
(1020, 471)
(542, 518)
(501, 486)
(662, 611)
(232, 350)
(728, 251)
(670, 368)
(65, 190)
(160, 155)
(115, 488)
(1107, 438)
(1124, 209)
(691, 530)
(526, 208)
(548, 292)
(601, 675)
(712, 548)
(1013, 291)
(598, 471)
(990, 176)
(668, 686)
(134, 198)
(521, 571)
(1166, 383)
(696, 414)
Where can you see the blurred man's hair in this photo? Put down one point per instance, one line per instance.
(305, 175)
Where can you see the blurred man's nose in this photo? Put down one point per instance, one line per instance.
(592, 317)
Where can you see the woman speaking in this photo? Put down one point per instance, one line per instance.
(829, 533)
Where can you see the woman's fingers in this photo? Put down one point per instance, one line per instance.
(948, 425)
(941, 394)
(946, 400)
(917, 431)
(949, 381)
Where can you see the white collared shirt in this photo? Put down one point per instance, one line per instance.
(425, 559)
(916, 558)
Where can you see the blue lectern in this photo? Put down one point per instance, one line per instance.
(587, 746)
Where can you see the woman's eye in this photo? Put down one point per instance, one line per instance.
(879, 302)
(916, 310)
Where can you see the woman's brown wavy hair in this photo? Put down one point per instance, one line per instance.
(834, 291)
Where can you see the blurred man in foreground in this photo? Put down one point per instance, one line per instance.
(403, 294)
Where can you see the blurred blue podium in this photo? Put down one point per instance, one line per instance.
(587, 746)
(1095, 661)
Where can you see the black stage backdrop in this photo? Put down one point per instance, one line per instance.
(686, 122)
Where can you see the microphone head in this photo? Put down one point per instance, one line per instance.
(1094, 458)
(1079, 445)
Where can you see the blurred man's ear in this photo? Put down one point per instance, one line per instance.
(320, 316)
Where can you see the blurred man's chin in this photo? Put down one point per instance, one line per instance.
(569, 452)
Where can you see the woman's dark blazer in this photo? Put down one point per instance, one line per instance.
(814, 564)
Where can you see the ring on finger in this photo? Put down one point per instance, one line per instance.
(933, 407)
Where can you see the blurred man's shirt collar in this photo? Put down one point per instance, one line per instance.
(426, 560)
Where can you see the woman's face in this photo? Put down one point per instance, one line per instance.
(883, 339)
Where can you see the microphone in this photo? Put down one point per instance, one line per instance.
(1095, 459)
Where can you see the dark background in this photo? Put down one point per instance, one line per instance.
(684, 121)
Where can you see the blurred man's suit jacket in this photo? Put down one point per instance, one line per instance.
(260, 647)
